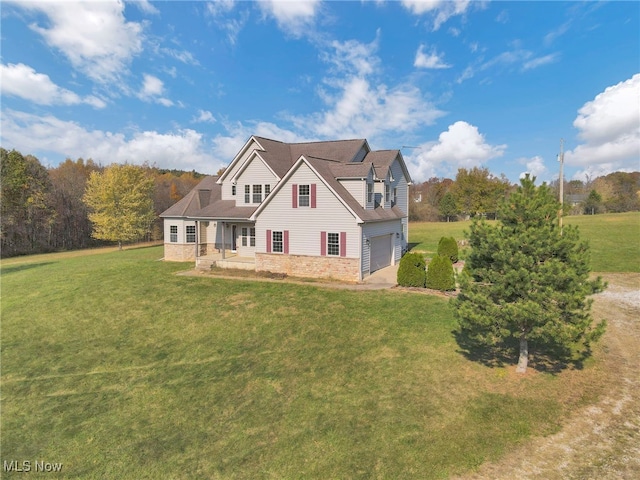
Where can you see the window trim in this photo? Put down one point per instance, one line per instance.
(333, 247)
(173, 233)
(304, 196)
(247, 194)
(189, 235)
(256, 191)
(279, 242)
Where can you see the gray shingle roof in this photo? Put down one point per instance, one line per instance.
(332, 160)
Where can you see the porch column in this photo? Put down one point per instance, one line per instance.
(197, 241)
(224, 228)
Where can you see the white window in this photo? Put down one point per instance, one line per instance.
(333, 244)
(369, 192)
(248, 236)
(191, 234)
(257, 193)
(387, 192)
(173, 230)
(395, 195)
(267, 190)
(247, 194)
(304, 195)
(277, 242)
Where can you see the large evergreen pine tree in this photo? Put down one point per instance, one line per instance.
(526, 279)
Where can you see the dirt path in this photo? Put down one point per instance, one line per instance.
(601, 441)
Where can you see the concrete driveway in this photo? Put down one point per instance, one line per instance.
(385, 276)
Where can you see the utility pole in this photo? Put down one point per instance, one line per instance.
(561, 160)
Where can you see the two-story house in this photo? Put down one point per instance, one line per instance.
(319, 209)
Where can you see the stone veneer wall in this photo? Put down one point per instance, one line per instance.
(340, 268)
(179, 252)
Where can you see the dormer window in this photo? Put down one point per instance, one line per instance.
(387, 192)
(369, 192)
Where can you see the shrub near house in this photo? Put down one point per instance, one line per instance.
(411, 272)
(440, 274)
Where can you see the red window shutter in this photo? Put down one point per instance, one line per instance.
(268, 241)
(323, 243)
(294, 195)
(286, 241)
(343, 244)
(313, 195)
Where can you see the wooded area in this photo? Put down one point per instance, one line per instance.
(42, 209)
(477, 192)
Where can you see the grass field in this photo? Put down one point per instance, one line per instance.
(117, 368)
(614, 238)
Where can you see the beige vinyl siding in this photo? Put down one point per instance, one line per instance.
(226, 186)
(357, 189)
(370, 230)
(256, 173)
(181, 224)
(305, 223)
(400, 182)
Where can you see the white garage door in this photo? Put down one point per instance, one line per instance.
(380, 252)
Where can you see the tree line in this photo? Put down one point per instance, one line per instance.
(45, 209)
(476, 192)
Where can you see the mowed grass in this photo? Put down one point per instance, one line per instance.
(614, 238)
(117, 368)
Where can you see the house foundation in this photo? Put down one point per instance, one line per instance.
(339, 268)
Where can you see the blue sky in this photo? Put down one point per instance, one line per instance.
(465, 83)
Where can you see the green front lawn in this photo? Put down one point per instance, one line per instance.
(118, 368)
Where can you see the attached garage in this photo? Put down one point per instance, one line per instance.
(381, 252)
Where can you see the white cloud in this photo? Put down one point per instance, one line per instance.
(146, 7)
(204, 116)
(23, 81)
(442, 10)
(515, 59)
(461, 146)
(353, 57)
(292, 16)
(152, 90)
(219, 11)
(182, 149)
(535, 167)
(359, 106)
(219, 7)
(609, 125)
(540, 61)
(429, 60)
(94, 36)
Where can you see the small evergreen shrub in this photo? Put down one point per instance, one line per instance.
(448, 247)
(411, 272)
(440, 274)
